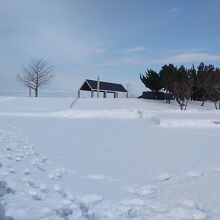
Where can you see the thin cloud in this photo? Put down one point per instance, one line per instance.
(172, 16)
(142, 61)
(175, 10)
(188, 57)
(136, 49)
(132, 49)
(137, 61)
(98, 49)
(124, 61)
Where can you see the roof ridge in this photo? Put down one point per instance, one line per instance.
(103, 81)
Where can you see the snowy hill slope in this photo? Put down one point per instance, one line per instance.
(111, 159)
(167, 115)
(44, 104)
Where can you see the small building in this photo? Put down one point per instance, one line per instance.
(156, 95)
(104, 87)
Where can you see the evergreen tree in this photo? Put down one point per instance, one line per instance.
(152, 80)
(167, 74)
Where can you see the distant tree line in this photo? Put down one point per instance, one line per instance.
(184, 84)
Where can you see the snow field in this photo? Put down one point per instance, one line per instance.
(42, 196)
(73, 167)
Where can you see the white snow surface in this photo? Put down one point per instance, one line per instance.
(108, 159)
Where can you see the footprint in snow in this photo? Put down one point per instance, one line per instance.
(57, 174)
(186, 210)
(9, 157)
(145, 191)
(30, 182)
(12, 171)
(91, 199)
(44, 159)
(100, 177)
(194, 173)
(165, 177)
(134, 202)
(154, 120)
(27, 154)
(185, 213)
(36, 195)
(189, 204)
(34, 162)
(51, 176)
(36, 153)
(43, 188)
(18, 159)
(8, 148)
(59, 190)
(65, 208)
(20, 155)
(25, 147)
(27, 171)
(38, 165)
(64, 212)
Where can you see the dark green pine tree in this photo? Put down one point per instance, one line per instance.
(152, 80)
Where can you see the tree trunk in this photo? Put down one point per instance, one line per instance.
(36, 92)
(167, 96)
(216, 105)
(29, 91)
(186, 104)
(203, 101)
(180, 103)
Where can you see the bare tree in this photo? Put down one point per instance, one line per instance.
(130, 90)
(35, 75)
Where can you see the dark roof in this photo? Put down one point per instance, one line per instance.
(156, 95)
(105, 86)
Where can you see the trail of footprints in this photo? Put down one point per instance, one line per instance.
(23, 171)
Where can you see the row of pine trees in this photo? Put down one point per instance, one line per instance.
(184, 84)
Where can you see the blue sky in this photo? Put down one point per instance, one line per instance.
(116, 39)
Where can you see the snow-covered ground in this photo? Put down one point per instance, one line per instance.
(110, 159)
